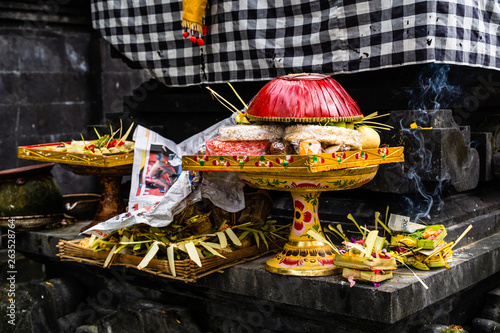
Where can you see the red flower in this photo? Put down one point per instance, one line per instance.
(301, 214)
(301, 217)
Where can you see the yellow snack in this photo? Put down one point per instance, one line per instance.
(310, 147)
(327, 135)
(369, 137)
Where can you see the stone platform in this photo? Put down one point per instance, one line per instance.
(246, 298)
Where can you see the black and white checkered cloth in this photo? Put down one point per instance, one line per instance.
(250, 40)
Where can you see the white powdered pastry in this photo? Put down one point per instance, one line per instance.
(250, 132)
(328, 135)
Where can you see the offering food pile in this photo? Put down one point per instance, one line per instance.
(318, 116)
(106, 144)
(254, 139)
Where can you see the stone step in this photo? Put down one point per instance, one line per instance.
(480, 325)
(491, 310)
(399, 300)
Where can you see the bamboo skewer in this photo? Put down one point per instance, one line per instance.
(409, 274)
(461, 236)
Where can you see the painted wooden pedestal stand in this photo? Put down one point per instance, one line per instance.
(109, 168)
(305, 177)
(302, 255)
(111, 200)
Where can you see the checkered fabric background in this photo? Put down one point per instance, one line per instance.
(250, 40)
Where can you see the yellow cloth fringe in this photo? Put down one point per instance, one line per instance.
(192, 26)
(192, 14)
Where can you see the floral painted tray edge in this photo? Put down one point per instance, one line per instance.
(41, 152)
(291, 163)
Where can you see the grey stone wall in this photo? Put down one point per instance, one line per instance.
(56, 79)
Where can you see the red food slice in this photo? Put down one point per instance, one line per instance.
(219, 147)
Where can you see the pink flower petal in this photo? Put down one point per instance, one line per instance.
(351, 281)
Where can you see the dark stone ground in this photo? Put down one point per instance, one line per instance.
(118, 303)
(72, 297)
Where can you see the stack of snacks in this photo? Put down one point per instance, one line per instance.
(366, 259)
(244, 140)
(314, 115)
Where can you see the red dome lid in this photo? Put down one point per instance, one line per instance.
(310, 98)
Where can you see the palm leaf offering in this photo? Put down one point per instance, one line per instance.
(106, 144)
(372, 257)
(366, 259)
(425, 258)
(182, 240)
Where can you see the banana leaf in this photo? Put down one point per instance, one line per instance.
(171, 259)
(149, 256)
(193, 254)
(233, 237)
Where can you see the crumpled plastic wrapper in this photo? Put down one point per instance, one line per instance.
(223, 189)
(250, 132)
(280, 147)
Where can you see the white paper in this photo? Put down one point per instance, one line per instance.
(402, 224)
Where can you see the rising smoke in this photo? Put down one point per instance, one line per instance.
(434, 92)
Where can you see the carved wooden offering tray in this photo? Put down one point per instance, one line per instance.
(109, 168)
(301, 255)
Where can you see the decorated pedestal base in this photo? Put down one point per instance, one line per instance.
(302, 255)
